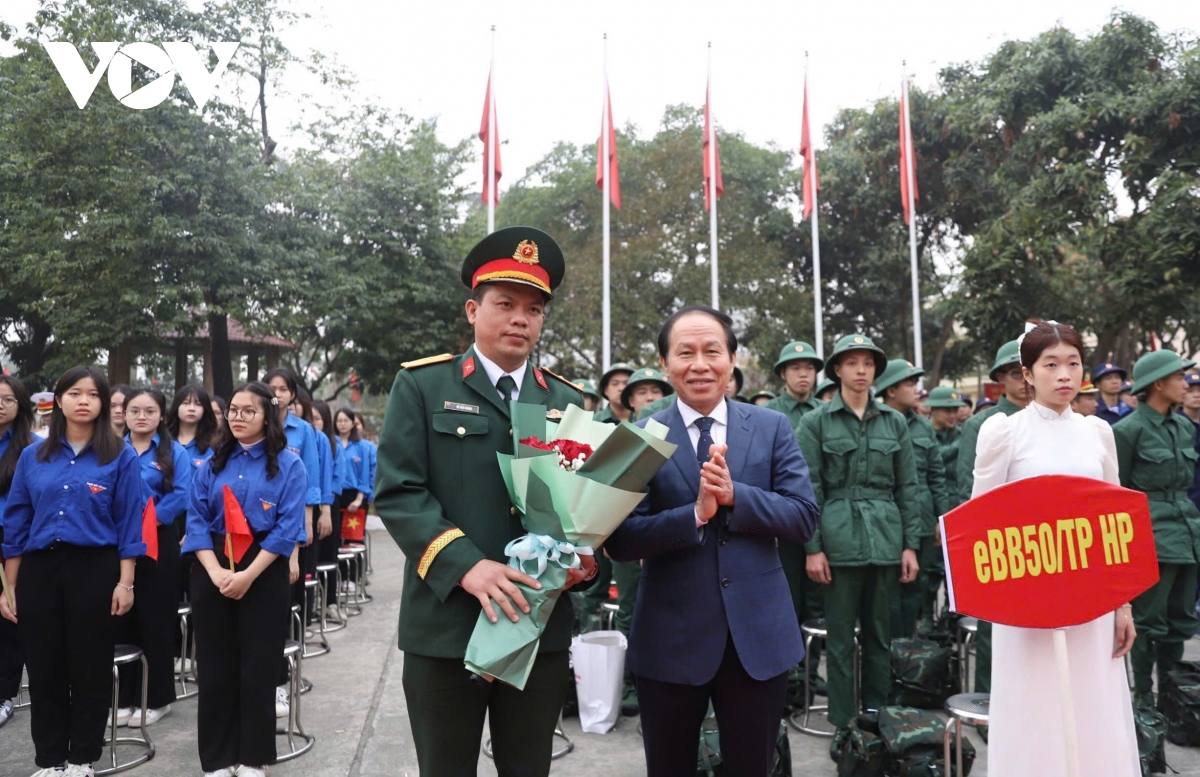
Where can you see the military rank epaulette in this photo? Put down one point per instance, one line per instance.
(443, 357)
(561, 378)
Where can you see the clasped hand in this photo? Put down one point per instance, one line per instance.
(716, 484)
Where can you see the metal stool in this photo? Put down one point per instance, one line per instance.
(969, 708)
(127, 654)
(22, 701)
(360, 572)
(187, 661)
(968, 629)
(345, 603)
(320, 646)
(559, 732)
(298, 638)
(299, 742)
(799, 720)
(323, 573)
(367, 545)
(608, 614)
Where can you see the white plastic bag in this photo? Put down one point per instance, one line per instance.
(598, 659)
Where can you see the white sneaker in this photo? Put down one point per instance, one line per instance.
(53, 771)
(281, 711)
(332, 614)
(123, 715)
(152, 716)
(183, 666)
(252, 771)
(78, 770)
(228, 771)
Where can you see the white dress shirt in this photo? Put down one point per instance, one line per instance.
(494, 373)
(719, 430)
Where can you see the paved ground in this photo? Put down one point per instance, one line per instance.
(357, 712)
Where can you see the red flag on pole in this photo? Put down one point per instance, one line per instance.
(491, 176)
(715, 161)
(150, 529)
(238, 537)
(908, 162)
(810, 158)
(614, 184)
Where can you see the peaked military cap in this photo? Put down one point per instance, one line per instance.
(515, 255)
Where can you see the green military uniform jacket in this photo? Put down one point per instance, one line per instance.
(793, 408)
(439, 492)
(935, 498)
(655, 406)
(948, 447)
(1157, 455)
(865, 478)
(966, 445)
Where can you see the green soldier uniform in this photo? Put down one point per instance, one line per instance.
(442, 498)
(913, 604)
(824, 386)
(947, 439)
(1008, 355)
(865, 479)
(606, 415)
(766, 394)
(655, 406)
(1157, 455)
(808, 596)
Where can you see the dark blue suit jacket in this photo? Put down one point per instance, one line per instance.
(694, 593)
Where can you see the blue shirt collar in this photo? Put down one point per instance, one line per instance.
(256, 451)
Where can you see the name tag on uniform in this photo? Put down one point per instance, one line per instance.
(459, 407)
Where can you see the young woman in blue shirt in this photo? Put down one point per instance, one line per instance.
(152, 623)
(16, 433)
(72, 534)
(240, 610)
(330, 540)
(193, 423)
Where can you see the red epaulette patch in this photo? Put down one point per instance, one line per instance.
(468, 367)
(540, 378)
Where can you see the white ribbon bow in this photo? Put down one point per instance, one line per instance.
(538, 550)
(1029, 327)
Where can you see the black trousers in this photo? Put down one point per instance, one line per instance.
(185, 583)
(238, 645)
(64, 605)
(153, 625)
(748, 714)
(12, 650)
(446, 710)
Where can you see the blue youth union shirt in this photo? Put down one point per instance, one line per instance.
(75, 499)
(275, 506)
(301, 441)
(195, 456)
(166, 505)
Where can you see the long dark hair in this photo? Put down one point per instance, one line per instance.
(207, 428)
(288, 377)
(164, 455)
(222, 423)
(276, 439)
(354, 435)
(322, 409)
(22, 431)
(105, 441)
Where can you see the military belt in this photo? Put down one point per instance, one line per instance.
(1166, 496)
(860, 492)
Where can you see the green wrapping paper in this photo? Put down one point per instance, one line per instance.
(582, 509)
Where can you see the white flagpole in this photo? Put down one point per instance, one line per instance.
(712, 180)
(912, 224)
(491, 171)
(606, 166)
(818, 316)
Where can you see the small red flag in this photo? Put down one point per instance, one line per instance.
(810, 159)
(238, 537)
(150, 529)
(710, 132)
(905, 151)
(491, 176)
(614, 186)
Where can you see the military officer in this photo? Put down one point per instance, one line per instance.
(1017, 394)
(798, 366)
(1109, 378)
(1086, 402)
(897, 387)
(591, 397)
(860, 460)
(441, 496)
(611, 383)
(1157, 455)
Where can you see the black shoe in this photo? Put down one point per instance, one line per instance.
(629, 702)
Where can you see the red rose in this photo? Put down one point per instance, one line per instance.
(571, 450)
(534, 442)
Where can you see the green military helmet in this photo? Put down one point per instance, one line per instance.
(586, 387)
(855, 343)
(645, 375)
(625, 367)
(1008, 355)
(897, 371)
(944, 396)
(761, 394)
(521, 255)
(796, 351)
(739, 380)
(1157, 365)
(824, 386)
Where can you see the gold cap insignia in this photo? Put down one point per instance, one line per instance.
(527, 252)
(554, 413)
(909, 363)
(858, 340)
(799, 348)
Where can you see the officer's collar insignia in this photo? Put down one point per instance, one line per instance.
(468, 367)
(526, 253)
(459, 407)
(540, 378)
(266, 505)
(554, 414)
(96, 488)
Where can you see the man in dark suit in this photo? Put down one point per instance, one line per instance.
(714, 619)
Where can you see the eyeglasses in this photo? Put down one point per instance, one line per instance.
(1015, 373)
(139, 413)
(8, 401)
(235, 414)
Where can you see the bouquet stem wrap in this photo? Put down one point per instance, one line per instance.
(567, 515)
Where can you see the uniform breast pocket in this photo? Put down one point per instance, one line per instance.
(883, 460)
(1152, 471)
(924, 449)
(836, 456)
(460, 425)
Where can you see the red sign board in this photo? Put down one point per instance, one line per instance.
(1048, 552)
